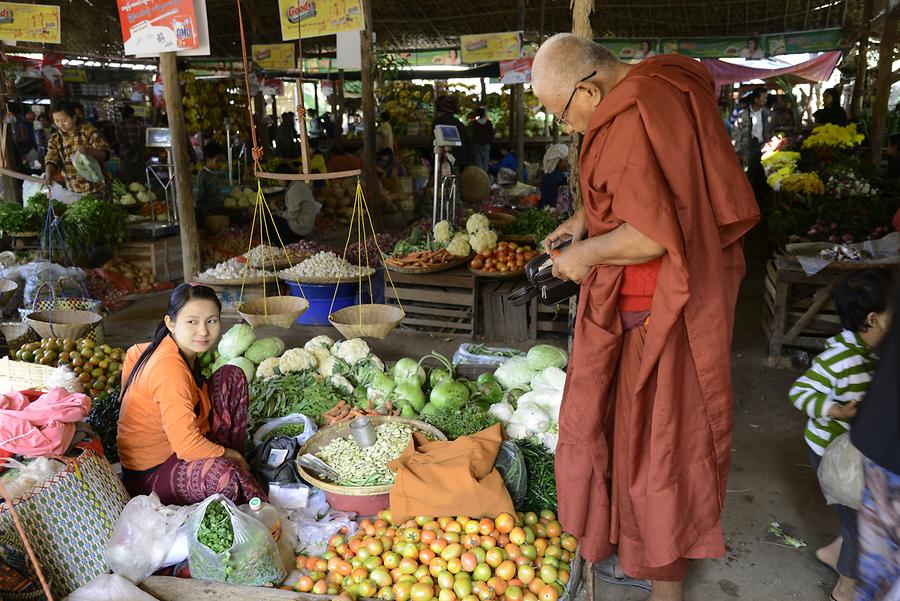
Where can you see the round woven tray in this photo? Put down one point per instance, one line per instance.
(366, 321)
(63, 323)
(498, 275)
(7, 290)
(236, 281)
(321, 438)
(17, 333)
(278, 311)
(420, 270)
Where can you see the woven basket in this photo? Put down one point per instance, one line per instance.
(7, 290)
(17, 333)
(324, 436)
(278, 311)
(63, 323)
(366, 321)
(18, 375)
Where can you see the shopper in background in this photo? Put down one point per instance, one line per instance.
(295, 216)
(831, 111)
(42, 131)
(314, 128)
(384, 136)
(74, 136)
(482, 138)
(556, 176)
(752, 129)
(445, 109)
(130, 135)
(286, 139)
(782, 115)
(208, 186)
(79, 112)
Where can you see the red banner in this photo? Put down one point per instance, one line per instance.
(154, 26)
(52, 70)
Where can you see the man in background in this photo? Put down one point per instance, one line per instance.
(752, 129)
(131, 137)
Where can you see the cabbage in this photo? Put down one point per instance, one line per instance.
(246, 365)
(542, 356)
(265, 348)
(365, 370)
(514, 373)
(407, 369)
(236, 341)
(552, 377)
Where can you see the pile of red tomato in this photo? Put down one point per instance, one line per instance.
(511, 558)
(508, 256)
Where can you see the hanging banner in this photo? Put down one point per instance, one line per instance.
(628, 49)
(313, 18)
(150, 27)
(804, 41)
(517, 71)
(748, 48)
(75, 75)
(318, 66)
(274, 57)
(29, 23)
(430, 58)
(491, 47)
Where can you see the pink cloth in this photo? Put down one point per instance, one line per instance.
(816, 69)
(43, 427)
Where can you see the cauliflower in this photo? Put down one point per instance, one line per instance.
(127, 200)
(478, 222)
(321, 354)
(459, 247)
(230, 203)
(143, 197)
(461, 235)
(483, 241)
(297, 359)
(443, 232)
(333, 366)
(135, 187)
(341, 383)
(268, 368)
(352, 351)
(319, 342)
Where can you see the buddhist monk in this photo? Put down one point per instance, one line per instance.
(645, 426)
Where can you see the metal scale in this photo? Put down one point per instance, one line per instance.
(445, 193)
(164, 175)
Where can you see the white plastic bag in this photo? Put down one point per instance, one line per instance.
(841, 473)
(63, 195)
(310, 528)
(309, 428)
(144, 537)
(109, 587)
(30, 189)
(87, 167)
(253, 558)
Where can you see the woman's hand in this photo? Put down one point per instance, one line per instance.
(569, 265)
(574, 228)
(233, 455)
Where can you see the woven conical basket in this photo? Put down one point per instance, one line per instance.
(7, 290)
(278, 311)
(366, 321)
(17, 333)
(63, 323)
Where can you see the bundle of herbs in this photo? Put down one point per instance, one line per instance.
(93, 222)
(104, 420)
(455, 423)
(282, 395)
(534, 222)
(541, 476)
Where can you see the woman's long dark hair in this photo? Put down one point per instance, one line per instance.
(177, 300)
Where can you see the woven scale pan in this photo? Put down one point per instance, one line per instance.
(366, 321)
(278, 311)
(63, 323)
(7, 290)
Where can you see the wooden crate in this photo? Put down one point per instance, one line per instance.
(162, 256)
(552, 322)
(440, 302)
(502, 320)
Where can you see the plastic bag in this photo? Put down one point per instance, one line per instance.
(144, 536)
(511, 465)
(30, 189)
(273, 459)
(25, 476)
(309, 428)
(87, 167)
(253, 558)
(109, 587)
(310, 528)
(46, 279)
(841, 473)
(63, 195)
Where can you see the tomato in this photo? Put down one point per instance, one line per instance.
(439, 545)
(402, 591)
(529, 596)
(426, 555)
(437, 566)
(564, 577)
(521, 560)
(366, 589)
(505, 523)
(421, 592)
(470, 541)
(446, 580)
(498, 585)
(477, 263)
(488, 542)
(391, 560)
(386, 593)
(433, 525)
(359, 574)
(454, 566)
(548, 515)
(526, 574)
(540, 544)
(536, 585)
(517, 536)
(529, 551)
(336, 540)
(374, 546)
(506, 570)
(344, 568)
(553, 551)
(471, 527)
(316, 576)
(512, 551)
(304, 584)
(410, 551)
(554, 529)
(429, 536)
(453, 526)
(487, 595)
(408, 566)
(549, 574)
(482, 572)
(487, 254)
(354, 545)
(469, 561)
(462, 588)
(502, 268)
(514, 593)
(540, 530)
(447, 595)
(566, 557)
(451, 537)
(548, 593)
(485, 526)
(470, 598)
(421, 572)
(502, 540)
(569, 543)
(551, 561)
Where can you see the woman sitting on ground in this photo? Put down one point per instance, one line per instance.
(179, 436)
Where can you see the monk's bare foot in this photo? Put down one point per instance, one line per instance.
(844, 589)
(830, 553)
(666, 591)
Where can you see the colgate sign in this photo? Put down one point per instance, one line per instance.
(6, 15)
(301, 12)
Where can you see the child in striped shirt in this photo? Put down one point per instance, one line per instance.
(830, 390)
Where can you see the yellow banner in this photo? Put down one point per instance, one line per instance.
(29, 23)
(273, 57)
(312, 18)
(73, 75)
(491, 47)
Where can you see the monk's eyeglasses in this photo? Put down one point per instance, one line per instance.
(561, 120)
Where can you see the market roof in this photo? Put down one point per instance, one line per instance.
(92, 26)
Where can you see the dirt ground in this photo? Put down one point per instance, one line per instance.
(771, 478)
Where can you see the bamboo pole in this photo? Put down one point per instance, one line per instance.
(370, 171)
(882, 86)
(9, 184)
(184, 199)
(581, 26)
(859, 85)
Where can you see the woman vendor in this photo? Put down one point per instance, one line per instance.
(179, 436)
(74, 136)
(555, 181)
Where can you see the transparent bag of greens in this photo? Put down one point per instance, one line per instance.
(511, 465)
(232, 546)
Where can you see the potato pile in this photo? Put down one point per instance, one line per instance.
(99, 367)
(140, 276)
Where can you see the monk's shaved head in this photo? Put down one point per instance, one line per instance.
(563, 60)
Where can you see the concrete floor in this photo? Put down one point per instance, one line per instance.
(771, 479)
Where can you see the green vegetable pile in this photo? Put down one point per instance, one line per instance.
(15, 218)
(278, 396)
(104, 420)
(535, 222)
(541, 477)
(463, 422)
(486, 351)
(289, 430)
(91, 221)
(416, 242)
(215, 531)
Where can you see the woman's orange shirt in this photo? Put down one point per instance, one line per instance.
(158, 415)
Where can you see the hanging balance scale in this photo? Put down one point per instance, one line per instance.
(372, 320)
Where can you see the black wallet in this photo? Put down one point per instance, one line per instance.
(542, 284)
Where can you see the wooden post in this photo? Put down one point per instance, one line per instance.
(859, 84)
(367, 45)
(519, 95)
(882, 86)
(184, 200)
(581, 26)
(10, 185)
